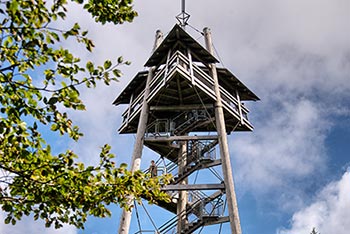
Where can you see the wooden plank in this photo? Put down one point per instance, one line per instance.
(180, 187)
(181, 107)
(181, 138)
(214, 163)
(218, 220)
(179, 90)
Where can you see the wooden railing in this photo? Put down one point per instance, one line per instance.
(180, 63)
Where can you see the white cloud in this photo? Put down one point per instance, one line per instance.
(29, 226)
(329, 213)
(287, 145)
(299, 46)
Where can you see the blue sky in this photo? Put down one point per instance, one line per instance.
(291, 173)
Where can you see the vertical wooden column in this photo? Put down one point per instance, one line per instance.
(182, 201)
(138, 146)
(224, 151)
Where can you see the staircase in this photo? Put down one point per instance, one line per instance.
(187, 121)
(207, 210)
(199, 155)
(201, 164)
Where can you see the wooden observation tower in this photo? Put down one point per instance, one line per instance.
(182, 108)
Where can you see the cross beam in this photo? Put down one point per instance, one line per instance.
(179, 187)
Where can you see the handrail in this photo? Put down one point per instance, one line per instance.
(173, 221)
(202, 153)
(225, 93)
(156, 78)
(202, 203)
(155, 125)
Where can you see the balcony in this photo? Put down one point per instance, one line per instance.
(193, 74)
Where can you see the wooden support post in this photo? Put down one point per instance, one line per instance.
(182, 201)
(224, 151)
(137, 153)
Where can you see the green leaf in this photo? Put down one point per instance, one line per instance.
(53, 100)
(7, 207)
(62, 15)
(54, 127)
(117, 73)
(7, 220)
(107, 64)
(90, 66)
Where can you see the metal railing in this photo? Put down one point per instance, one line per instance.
(201, 207)
(196, 152)
(159, 127)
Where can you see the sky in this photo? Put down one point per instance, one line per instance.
(292, 172)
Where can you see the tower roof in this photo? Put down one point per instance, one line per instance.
(226, 79)
(136, 85)
(179, 38)
(231, 83)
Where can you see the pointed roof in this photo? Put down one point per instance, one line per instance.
(178, 37)
(226, 79)
(231, 83)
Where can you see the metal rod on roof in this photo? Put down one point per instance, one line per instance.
(183, 16)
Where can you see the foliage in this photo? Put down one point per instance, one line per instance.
(38, 84)
(314, 231)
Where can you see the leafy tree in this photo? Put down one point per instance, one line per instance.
(39, 81)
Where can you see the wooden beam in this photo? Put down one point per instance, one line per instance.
(200, 124)
(168, 96)
(193, 96)
(182, 107)
(125, 220)
(183, 195)
(179, 89)
(218, 220)
(180, 138)
(223, 144)
(180, 187)
(214, 163)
